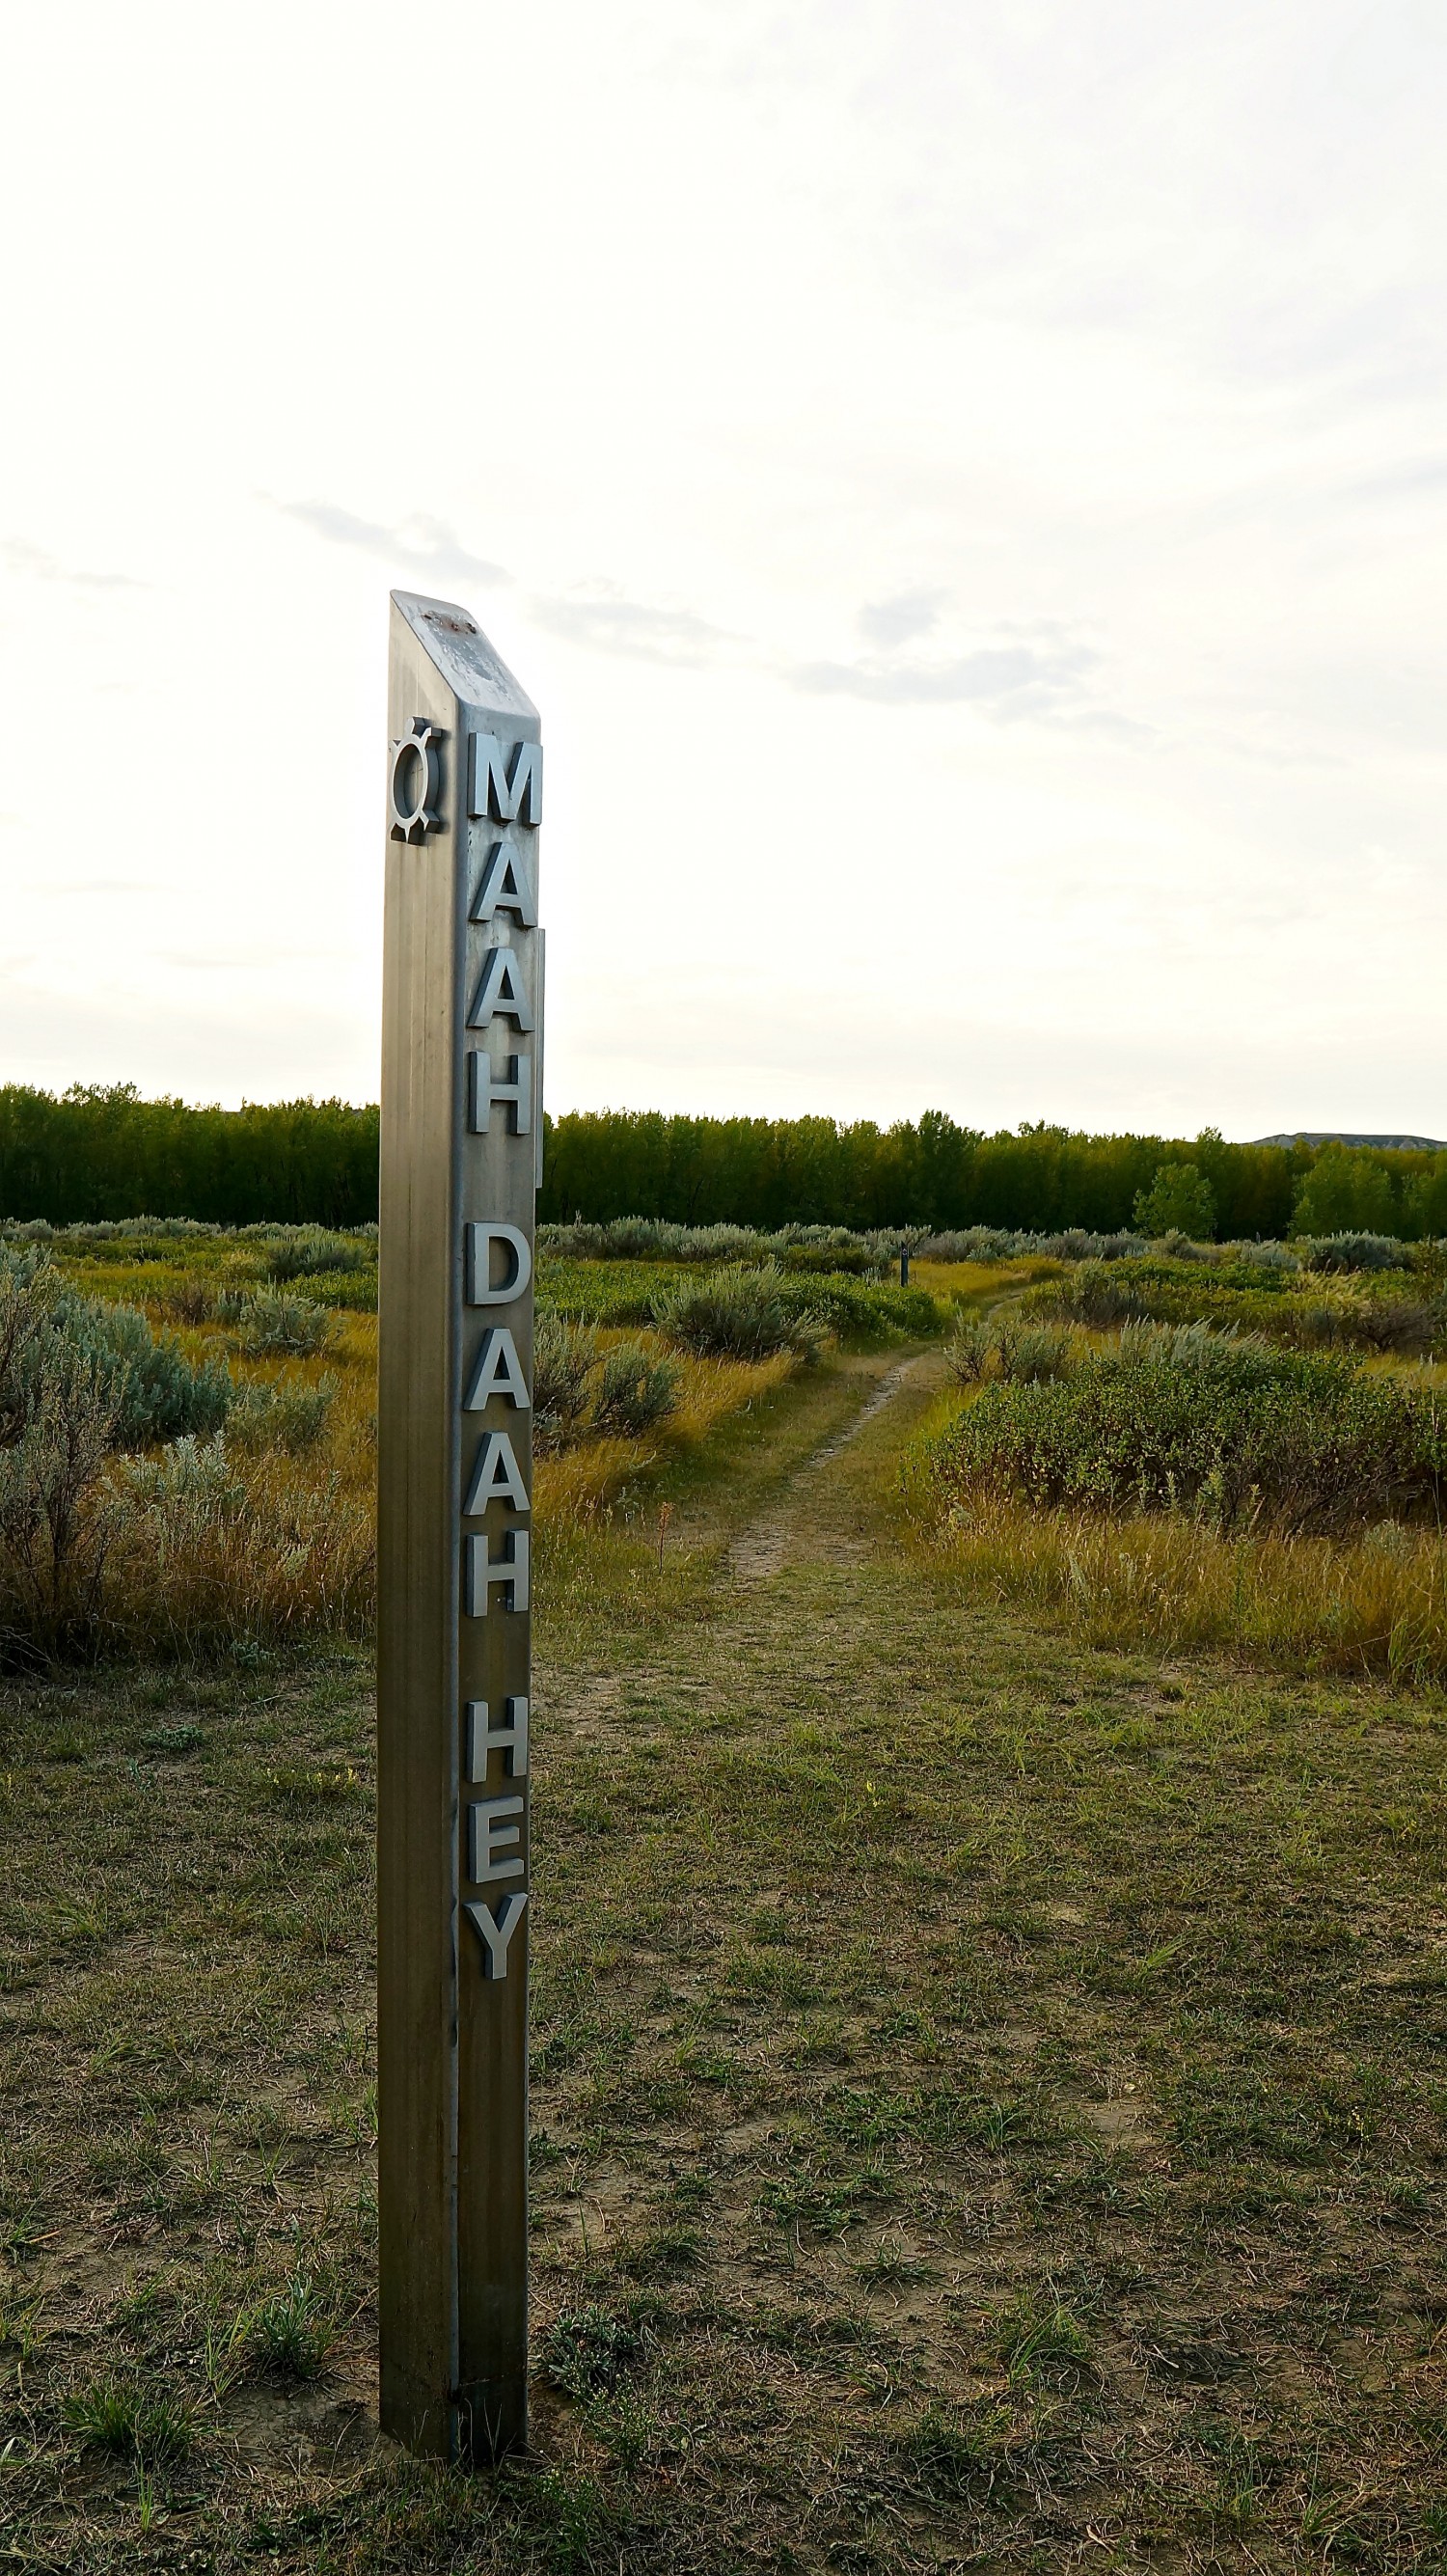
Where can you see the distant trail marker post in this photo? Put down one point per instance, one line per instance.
(462, 1015)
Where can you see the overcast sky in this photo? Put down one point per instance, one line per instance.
(965, 485)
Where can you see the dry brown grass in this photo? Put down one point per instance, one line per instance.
(1375, 1605)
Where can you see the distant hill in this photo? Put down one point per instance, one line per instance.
(1334, 1136)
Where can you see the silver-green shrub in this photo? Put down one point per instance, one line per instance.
(564, 1356)
(635, 1392)
(738, 1314)
(302, 1251)
(265, 1322)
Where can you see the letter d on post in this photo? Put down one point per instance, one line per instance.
(458, 1178)
(489, 1247)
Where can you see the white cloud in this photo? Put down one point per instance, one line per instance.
(1005, 678)
(29, 562)
(421, 545)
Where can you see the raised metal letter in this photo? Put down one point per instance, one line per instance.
(497, 1477)
(506, 782)
(511, 1741)
(493, 1839)
(484, 1087)
(500, 993)
(517, 1252)
(506, 886)
(495, 1931)
(481, 1571)
(498, 1371)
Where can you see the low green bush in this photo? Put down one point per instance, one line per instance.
(144, 1378)
(861, 1310)
(58, 1423)
(794, 1247)
(159, 1395)
(1352, 1252)
(353, 1290)
(1228, 1428)
(742, 1314)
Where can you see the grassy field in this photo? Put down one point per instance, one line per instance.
(990, 2085)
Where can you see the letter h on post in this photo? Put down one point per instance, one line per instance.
(481, 1571)
(484, 1087)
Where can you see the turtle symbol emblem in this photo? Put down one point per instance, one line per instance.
(412, 782)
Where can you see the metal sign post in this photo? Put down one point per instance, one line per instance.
(461, 1139)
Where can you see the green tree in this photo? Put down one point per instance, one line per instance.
(1345, 1192)
(1180, 1200)
(1425, 1199)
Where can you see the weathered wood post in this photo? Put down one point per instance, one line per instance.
(461, 1141)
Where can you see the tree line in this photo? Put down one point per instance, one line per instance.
(1035, 1178)
(102, 1151)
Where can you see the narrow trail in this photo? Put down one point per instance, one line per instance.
(759, 1551)
(811, 1506)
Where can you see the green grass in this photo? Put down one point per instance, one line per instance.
(989, 2089)
(1396, 1310)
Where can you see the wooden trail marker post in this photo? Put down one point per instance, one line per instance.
(462, 1017)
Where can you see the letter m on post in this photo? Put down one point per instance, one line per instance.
(506, 780)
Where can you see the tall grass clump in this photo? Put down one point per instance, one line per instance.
(1374, 1604)
(268, 1321)
(1230, 1430)
(1004, 1346)
(208, 1547)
